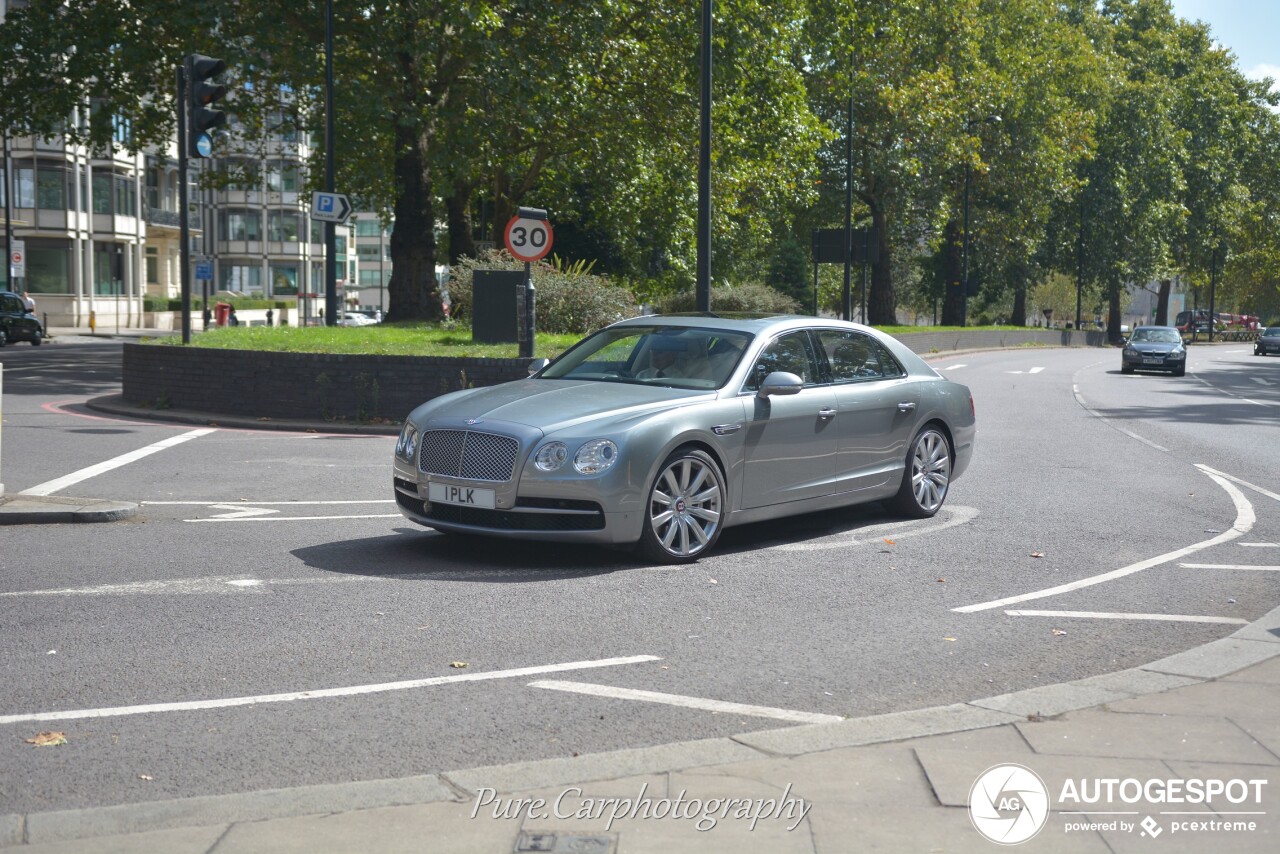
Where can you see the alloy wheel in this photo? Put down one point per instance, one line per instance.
(930, 471)
(686, 505)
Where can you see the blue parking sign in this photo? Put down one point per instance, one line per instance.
(204, 270)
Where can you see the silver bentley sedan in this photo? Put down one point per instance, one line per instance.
(662, 431)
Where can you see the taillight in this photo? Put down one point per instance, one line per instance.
(972, 411)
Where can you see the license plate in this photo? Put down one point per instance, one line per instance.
(1150, 361)
(467, 496)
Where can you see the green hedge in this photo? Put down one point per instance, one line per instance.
(570, 300)
(749, 296)
(197, 304)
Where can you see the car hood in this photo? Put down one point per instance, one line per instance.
(1153, 346)
(551, 405)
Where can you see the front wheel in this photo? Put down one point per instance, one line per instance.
(685, 509)
(39, 336)
(927, 476)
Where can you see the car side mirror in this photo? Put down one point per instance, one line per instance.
(781, 383)
(537, 365)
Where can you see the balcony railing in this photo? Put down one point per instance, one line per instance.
(166, 217)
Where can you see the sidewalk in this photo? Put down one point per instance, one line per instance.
(1203, 720)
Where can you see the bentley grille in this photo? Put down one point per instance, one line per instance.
(467, 454)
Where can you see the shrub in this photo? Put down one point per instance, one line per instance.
(749, 296)
(570, 300)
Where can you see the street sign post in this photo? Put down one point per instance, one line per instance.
(204, 269)
(18, 259)
(528, 237)
(330, 207)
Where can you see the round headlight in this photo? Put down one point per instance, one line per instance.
(595, 457)
(551, 456)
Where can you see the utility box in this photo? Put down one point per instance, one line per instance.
(494, 307)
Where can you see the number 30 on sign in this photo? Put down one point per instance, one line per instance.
(528, 239)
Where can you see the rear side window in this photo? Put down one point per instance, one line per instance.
(791, 353)
(855, 357)
(11, 304)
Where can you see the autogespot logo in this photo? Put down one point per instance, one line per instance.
(1008, 804)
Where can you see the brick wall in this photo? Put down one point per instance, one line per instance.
(299, 385)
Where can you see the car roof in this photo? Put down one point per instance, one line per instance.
(742, 321)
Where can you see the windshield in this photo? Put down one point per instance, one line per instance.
(1161, 336)
(1271, 332)
(676, 356)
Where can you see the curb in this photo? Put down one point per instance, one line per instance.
(113, 404)
(21, 509)
(1252, 644)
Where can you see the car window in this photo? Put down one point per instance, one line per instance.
(791, 353)
(678, 356)
(11, 303)
(854, 357)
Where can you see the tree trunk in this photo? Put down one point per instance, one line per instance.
(1113, 315)
(462, 243)
(1162, 302)
(413, 292)
(1019, 315)
(882, 303)
(952, 267)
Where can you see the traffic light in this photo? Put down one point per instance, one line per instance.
(201, 94)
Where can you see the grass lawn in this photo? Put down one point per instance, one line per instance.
(386, 339)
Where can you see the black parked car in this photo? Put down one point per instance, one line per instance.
(16, 323)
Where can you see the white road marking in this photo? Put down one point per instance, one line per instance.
(350, 691)
(61, 483)
(185, 586)
(953, 367)
(295, 518)
(239, 511)
(276, 503)
(686, 702)
(1228, 566)
(1260, 381)
(1075, 390)
(1245, 520)
(1260, 545)
(1035, 370)
(958, 515)
(1258, 489)
(1102, 615)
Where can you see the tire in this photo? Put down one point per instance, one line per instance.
(38, 339)
(4, 336)
(1126, 369)
(1180, 372)
(927, 476)
(685, 508)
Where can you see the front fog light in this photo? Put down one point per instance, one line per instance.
(595, 457)
(551, 456)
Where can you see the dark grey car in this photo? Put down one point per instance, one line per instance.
(1155, 348)
(663, 431)
(16, 322)
(1268, 342)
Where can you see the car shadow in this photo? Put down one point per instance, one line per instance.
(418, 554)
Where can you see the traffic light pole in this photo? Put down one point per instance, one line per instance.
(184, 223)
(330, 238)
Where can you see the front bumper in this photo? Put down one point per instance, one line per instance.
(1153, 362)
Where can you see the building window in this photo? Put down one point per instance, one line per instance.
(371, 278)
(366, 251)
(241, 225)
(101, 193)
(240, 275)
(108, 269)
(282, 177)
(126, 196)
(153, 266)
(24, 187)
(48, 266)
(51, 187)
(317, 231)
(368, 228)
(284, 279)
(282, 226)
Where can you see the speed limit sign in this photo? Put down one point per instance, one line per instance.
(527, 237)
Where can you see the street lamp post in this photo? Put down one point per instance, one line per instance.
(704, 170)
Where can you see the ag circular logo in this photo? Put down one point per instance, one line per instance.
(1008, 804)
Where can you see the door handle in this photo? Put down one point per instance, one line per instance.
(906, 406)
(826, 413)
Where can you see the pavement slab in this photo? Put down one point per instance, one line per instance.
(1268, 672)
(1214, 659)
(939, 830)
(184, 840)
(1049, 700)
(1100, 733)
(19, 509)
(1205, 699)
(873, 730)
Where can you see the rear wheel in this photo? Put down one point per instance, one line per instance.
(39, 336)
(928, 475)
(685, 508)
(4, 337)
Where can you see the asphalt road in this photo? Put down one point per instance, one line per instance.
(267, 572)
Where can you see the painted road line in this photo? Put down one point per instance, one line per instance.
(350, 691)
(187, 586)
(273, 503)
(1228, 566)
(246, 518)
(1103, 615)
(953, 367)
(687, 702)
(1075, 390)
(1258, 489)
(61, 483)
(1260, 545)
(1260, 381)
(872, 534)
(1245, 519)
(1035, 370)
